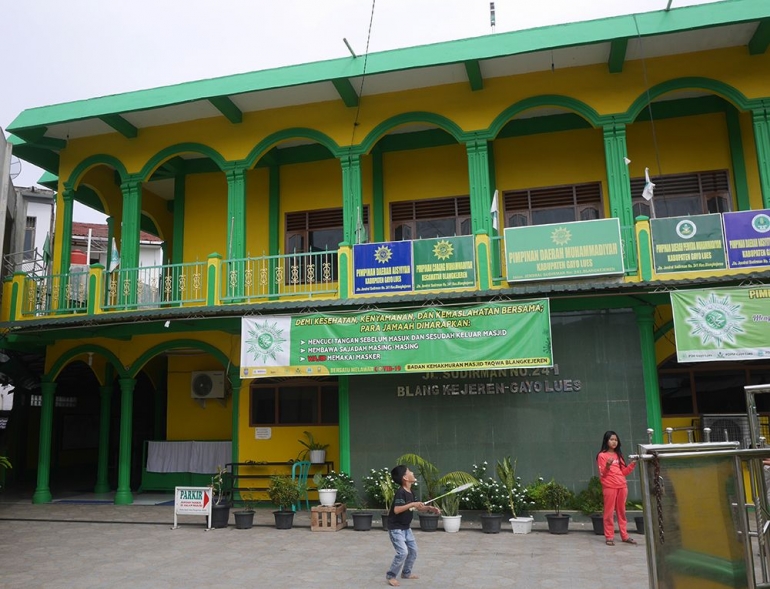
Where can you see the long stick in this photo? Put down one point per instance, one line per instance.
(457, 490)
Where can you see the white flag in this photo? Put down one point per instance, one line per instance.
(114, 257)
(493, 211)
(648, 185)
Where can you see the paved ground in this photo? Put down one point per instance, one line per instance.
(98, 545)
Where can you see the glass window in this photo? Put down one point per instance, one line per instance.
(553, 204)
(675, 394)
(425, 219)
(294, 403)
(679, 195)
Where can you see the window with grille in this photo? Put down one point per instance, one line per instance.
(424, 219)
(29, 238)
(314, 238)
(305, 402)
(553, 204)
(678, 195)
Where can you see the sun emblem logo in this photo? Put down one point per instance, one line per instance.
(265, 341)
(761, 223)
(715, 320)
(561, 236)
(383, 254)
(443, 250)
(686, 229)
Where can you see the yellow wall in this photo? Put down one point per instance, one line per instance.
(205, 216)
(257, 207)
(187, 418)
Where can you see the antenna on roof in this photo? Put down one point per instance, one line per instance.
(492, 16)
(353, 53)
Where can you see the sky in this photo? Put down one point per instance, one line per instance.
(58, 51)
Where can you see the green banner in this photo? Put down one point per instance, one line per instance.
(444, 262)
(563, 250)
(488, 336)
(686, 244)
(721, 324)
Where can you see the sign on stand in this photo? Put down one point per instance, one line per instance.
(192, 501)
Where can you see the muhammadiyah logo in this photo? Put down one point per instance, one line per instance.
(686, 229)
(561, 236)
(761, 223)
(265, 341)
(443, 250)
(715, 320)
(383, 254)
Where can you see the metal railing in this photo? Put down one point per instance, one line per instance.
(265, 277)
(55, 294)
(151, 287)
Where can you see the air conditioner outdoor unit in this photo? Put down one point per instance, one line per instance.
(731, 427)
(207, 385)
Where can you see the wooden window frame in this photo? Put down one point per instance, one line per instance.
(579, 197)
(705, 185)
(406, 214)
(320, 385)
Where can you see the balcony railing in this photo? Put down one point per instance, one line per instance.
(150, 287)
(290, 275)
(55, 294)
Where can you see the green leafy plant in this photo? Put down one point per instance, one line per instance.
(557, 496)
(536, 493)
(515, 493)
(219, 485)
(4, 462)
(310, 444)
(374, 483)
(429, 473)
(450, 505)
(249, 500)
(591, 499)
(342, 482)
(388, 491)
(284, 491)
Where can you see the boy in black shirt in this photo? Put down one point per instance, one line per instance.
(399, 525)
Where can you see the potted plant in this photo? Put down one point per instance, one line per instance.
(434, 485)
(557, 496)
(451, 518)
(380, 489)
(516, 495)
(362, 519)
(590, 501)
(327, 491)
(638, 519)
(388, 489)
(244, 518)
(220, 500)
(335, 487)
(314, 451)
(284, 492)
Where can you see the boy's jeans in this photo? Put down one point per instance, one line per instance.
(406, 552)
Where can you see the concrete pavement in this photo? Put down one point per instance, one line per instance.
(99, 545)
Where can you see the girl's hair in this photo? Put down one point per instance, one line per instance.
(606, 446)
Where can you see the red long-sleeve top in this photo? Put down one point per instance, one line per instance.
(613, 477)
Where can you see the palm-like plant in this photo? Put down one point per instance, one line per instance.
(429, 473)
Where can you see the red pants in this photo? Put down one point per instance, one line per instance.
(615, 500)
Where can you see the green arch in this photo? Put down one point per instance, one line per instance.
(573, 104)
(172, 150)
(90, 162)
(726, 91)
(65, 358)
(170, 345)
(439, 121)
(263, 146)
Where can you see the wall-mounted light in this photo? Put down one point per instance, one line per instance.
(90, 358)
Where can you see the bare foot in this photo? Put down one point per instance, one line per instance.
(393, 582)
(412, 576)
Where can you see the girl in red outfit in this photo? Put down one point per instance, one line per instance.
(612, 473)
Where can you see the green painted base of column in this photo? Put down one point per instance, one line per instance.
(42, 496)
(100, 488)
(124, 498)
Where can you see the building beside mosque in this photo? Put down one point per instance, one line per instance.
(449, 252)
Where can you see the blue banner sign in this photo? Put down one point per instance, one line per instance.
(382, 267)
(747, 236)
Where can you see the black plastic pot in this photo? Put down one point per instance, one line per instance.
(597, 520)
(491, 522)
(244, 520)
(385, 521)
(429, 522)
(362, 522)
(557, 523)
(639, 519)
(284, 520)
(220, 515)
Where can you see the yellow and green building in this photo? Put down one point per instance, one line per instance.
(266, 186)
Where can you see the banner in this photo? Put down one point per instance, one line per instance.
(488, 336)
(747, 235)
(563, 250)
(382, 267)
(721, 324)
(688, 244)
(444, 262)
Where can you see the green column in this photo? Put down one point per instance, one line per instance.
(66, 239)
(274, 212)
(177, 256)
(236, 212)
(480, 185)
(344, 417)
(105, 400)
(123, 495)
(377, 218)
(132, 218)
(619, 188)
(761, 120)
(645, 320)
(352, 203)
(235, 384)
(43, 490)
(733, 122)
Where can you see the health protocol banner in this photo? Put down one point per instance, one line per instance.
(488, 336)
(721, 324)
